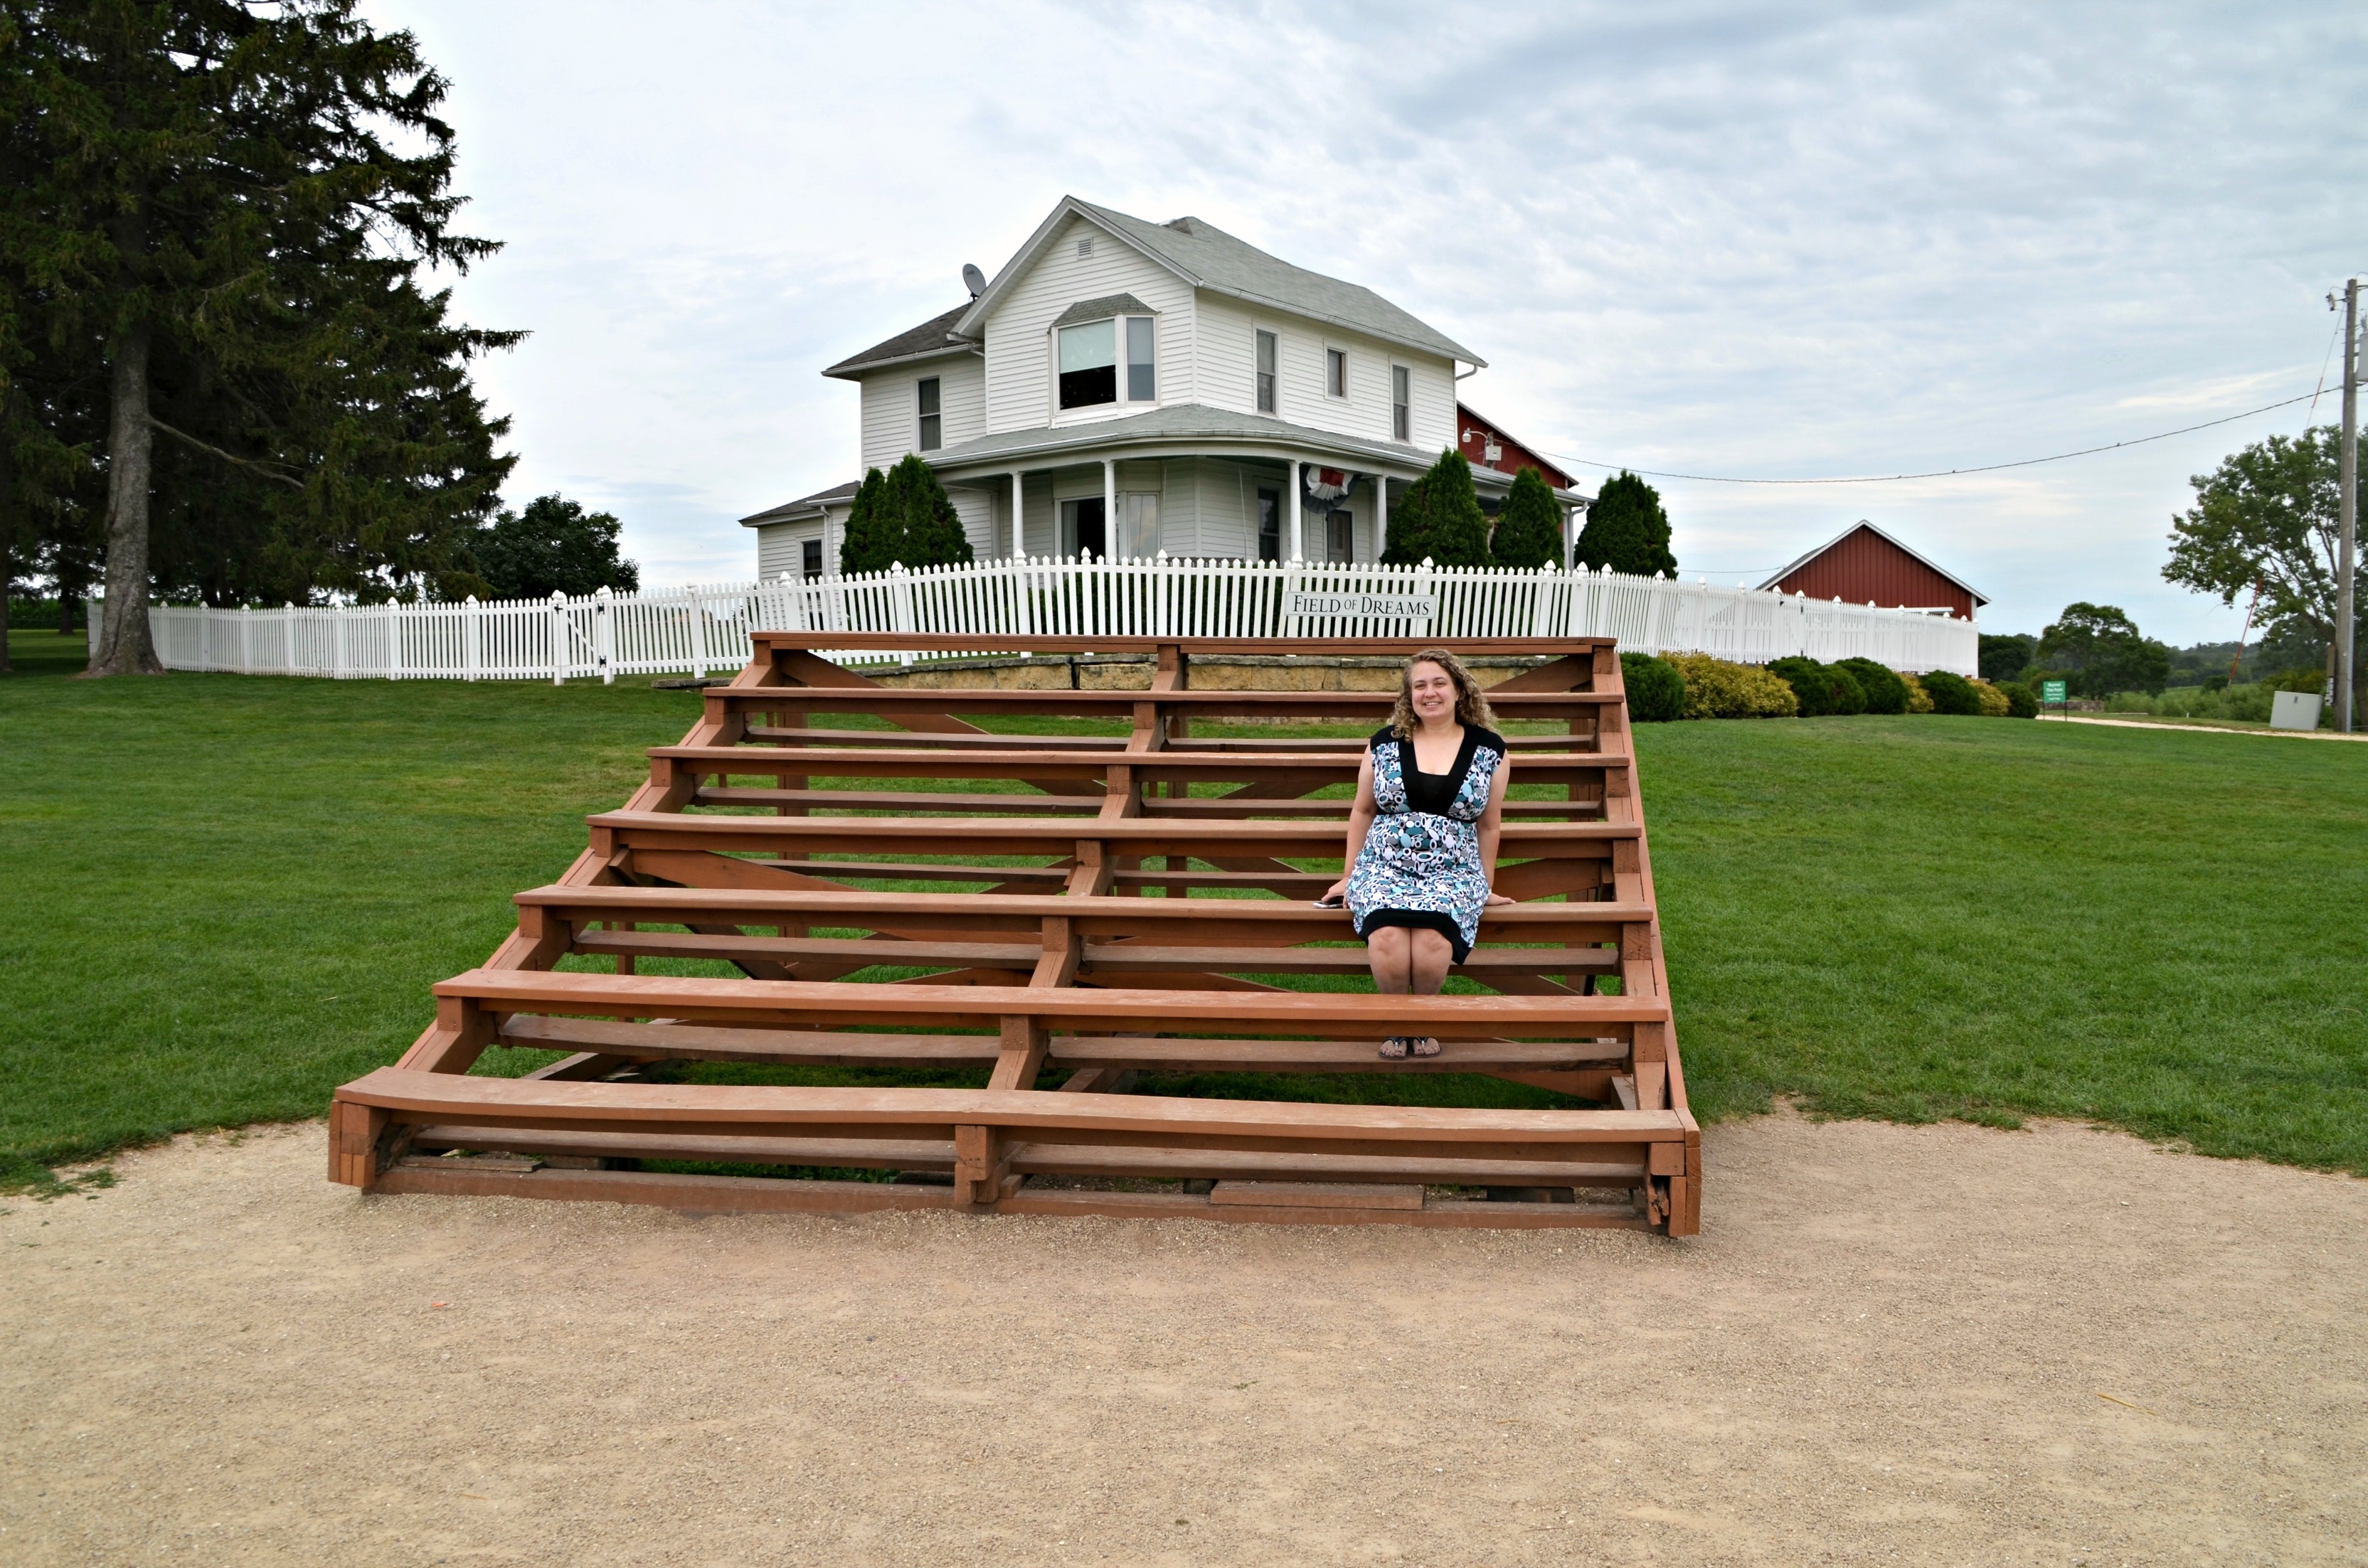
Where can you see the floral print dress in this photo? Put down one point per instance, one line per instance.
(1421, 865)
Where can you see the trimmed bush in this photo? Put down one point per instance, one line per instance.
(1952, 694)
(1529, 530)
(1995, 703)
(2021, 703)
(1657, 692)
(1884, 690)
(1821, 689)
(1919, 699)
(1717, 689)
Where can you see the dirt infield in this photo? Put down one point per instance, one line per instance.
(1937, 1344)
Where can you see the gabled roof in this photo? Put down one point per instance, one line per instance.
(1978, 597)
(804, 505)
(1207, 257)
(931, 338)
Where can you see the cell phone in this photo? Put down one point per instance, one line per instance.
(1340, 902)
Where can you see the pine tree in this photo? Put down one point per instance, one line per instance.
(1627, 530)
(933, 532)
(874, 533)
(1439, 518)
(1529, 530)
(217, 205)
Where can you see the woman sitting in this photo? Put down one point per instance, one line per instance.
(1422, 836)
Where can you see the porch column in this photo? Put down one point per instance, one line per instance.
(1380, 514)
(1109, 508)
(1569, 535)
(1018, 516)
(1298, 503)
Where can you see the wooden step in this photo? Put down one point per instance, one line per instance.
(1083, 1011)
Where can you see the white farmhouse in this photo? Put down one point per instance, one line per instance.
(1123, 388)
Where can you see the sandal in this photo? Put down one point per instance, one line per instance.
(1426, 1046)
(1395, 1047)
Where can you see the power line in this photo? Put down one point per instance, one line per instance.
(1944, 473)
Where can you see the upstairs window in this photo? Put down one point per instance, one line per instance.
(932, 421)
(1141, 383)
(1401, 404)
(1088, 364)
(1335, 372)
(1266, 356)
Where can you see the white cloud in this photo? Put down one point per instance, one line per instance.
(1784, 240)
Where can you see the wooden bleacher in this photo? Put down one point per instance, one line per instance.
(1121, 904)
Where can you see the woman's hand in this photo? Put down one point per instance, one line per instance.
(1336, 892)
(1495, 898)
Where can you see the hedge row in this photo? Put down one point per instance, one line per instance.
(1695, 686)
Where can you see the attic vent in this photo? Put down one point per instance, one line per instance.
(1085, 247)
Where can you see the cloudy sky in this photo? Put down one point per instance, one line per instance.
(1794, 241)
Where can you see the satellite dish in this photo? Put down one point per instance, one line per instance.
(973, 279)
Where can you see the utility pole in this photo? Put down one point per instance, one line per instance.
(2351, 504)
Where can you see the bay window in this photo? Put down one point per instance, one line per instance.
(1090, 361)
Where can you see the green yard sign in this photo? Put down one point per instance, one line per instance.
(2051, 691)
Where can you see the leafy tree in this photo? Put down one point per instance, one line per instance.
(2004, 657)
(1627, 529)
(2268, 515)
(2100, 651)
(554, 546)
(903, 515)
(1529, 529)
(226, 207)
(1439, 518)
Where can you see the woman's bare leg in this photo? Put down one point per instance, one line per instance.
(1388, 951)
(1428, 955)
(1428, 958)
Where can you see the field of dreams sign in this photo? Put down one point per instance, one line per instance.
(1386, 606)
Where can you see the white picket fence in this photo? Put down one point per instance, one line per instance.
(698, 630)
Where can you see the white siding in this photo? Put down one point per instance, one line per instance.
(1226, 368)
(976, 509)
(781, 546)
(1018, 353)
(891, 407)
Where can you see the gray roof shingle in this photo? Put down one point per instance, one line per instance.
(1218, 262)
(1097, 310)
(934, 335)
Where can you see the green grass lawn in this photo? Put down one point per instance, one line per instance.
(228, 894)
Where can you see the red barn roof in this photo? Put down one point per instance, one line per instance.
(1865, 565)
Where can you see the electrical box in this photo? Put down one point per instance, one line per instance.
(2294, 710)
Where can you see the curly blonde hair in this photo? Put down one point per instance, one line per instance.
(1472, 707)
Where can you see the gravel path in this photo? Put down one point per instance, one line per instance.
(1937, 1344)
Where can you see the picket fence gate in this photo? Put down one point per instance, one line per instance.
(698, 630)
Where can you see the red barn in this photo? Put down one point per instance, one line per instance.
(1485, 445)
(1865, 565)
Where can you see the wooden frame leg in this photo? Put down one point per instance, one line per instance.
(354, 1135)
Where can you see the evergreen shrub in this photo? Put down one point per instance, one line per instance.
(1717, 689)
(1439, 518)
(1919, 699)
(1657, 692)
(1529, 530)
(903, 516)
(2021, 703)
(1822, 689)
(1880, 685)
(1952, 694)
(1627, 529)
